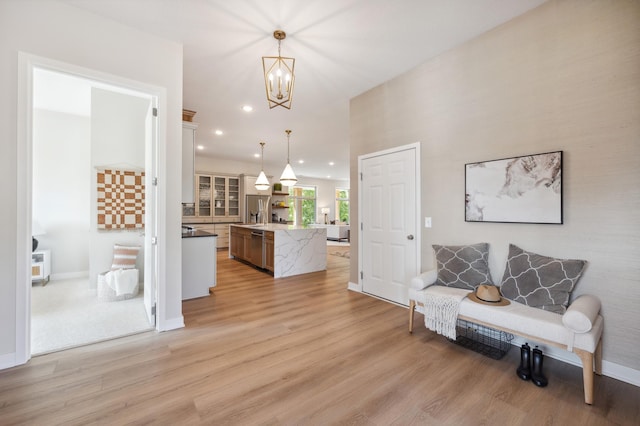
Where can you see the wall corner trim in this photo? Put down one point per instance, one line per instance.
(354, 287)
(171, 324)
(8, 360)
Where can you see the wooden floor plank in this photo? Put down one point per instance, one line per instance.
(297, 350)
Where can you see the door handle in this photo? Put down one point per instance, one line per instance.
(409, 237)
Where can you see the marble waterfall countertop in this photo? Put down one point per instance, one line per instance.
(270, 226)
(296, 249)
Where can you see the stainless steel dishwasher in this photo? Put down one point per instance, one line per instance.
(257, 248)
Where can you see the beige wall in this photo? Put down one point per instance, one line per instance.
(565, 76)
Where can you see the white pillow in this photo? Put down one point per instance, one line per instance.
(581, 314)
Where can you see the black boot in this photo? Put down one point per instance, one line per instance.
(536, 375)
(524, 371)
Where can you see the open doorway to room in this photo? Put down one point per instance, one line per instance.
(91, 146)
(336, 219)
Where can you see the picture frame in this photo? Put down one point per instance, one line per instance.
(524, 189)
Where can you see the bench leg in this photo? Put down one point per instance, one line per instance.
(587, 374)
(598, 358)
(412, 307)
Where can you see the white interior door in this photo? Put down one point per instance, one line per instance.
(150, 243)
(389, 238)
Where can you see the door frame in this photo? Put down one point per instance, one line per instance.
(361, 158)
(24, 132)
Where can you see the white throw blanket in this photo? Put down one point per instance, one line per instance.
(122, 281)
(441, 311)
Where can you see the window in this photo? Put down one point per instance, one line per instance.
(342, 205)
(302, 205)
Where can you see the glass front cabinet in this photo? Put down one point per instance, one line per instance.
(218, 197)
(203, 196)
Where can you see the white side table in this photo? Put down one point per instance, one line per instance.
(41, 266)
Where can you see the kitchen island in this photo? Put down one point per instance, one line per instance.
(284, 250)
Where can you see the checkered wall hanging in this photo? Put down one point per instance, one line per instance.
(120, 199)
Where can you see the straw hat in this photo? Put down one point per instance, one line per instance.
(488, 295)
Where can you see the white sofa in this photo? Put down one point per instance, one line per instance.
(334, 232)
(579, 329)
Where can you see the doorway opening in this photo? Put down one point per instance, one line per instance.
(83, 130)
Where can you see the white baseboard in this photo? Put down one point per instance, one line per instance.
(355, 287)
(8, 360)
(70, 275)
(609, 369)
(171, 324)
(620, 372)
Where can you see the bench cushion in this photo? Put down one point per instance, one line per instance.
(523, 319)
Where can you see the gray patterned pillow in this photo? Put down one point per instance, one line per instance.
(463, 266)
(540, 281)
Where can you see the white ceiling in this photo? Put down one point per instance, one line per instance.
(342, 48)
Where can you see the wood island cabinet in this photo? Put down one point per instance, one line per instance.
(268, 250)
(240, 243)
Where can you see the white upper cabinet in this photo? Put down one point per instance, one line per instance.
(249, 186)
(226, 197)
(188, 160)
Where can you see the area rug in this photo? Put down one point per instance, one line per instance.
(340, 251)
(66, 314)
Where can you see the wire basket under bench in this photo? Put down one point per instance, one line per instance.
(482, 339)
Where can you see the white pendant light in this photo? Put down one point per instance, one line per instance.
(288, 178)
(262, 183)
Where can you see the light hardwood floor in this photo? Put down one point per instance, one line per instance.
(299, 350)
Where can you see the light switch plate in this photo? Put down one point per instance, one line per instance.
(427, 222)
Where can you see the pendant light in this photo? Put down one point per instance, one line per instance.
(288, 178)
(262, 183)
(279, 76)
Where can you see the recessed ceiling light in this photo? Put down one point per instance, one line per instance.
(300, 161)
(247, 108)
(200, 147)
(219, 132)
(256, 155)
(331, 163)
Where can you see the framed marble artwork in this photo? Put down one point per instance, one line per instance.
(526, 189)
